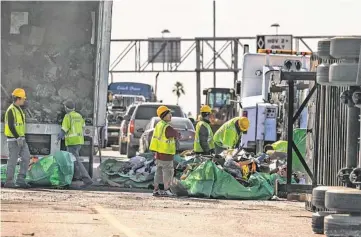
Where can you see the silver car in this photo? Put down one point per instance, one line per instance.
(142, 115)
(183, 125)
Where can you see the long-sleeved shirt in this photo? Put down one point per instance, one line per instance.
(169, 133)
(11, 122)
(203, 137)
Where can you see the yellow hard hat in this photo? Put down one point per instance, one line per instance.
(243, 123)
(206, 109)
(19, 92)
(161, 109)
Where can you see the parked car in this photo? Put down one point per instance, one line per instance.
(123, 135)
(142, 115)
(116, 111)
(183, 125)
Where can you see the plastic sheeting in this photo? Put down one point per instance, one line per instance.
(299, 138)
(56, 170)
(207, 180)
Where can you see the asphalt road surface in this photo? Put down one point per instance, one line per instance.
(63, 213)
(66, 213)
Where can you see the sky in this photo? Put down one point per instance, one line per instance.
(194, 18)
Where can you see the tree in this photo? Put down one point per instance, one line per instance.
(178, 90)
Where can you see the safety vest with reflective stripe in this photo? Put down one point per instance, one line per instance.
(19, 119)
(197, 145)
(227, 136)
(160, 143)
(72, 125)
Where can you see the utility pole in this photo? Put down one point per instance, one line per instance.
(214, 43)
(156, 84)
(276, 25)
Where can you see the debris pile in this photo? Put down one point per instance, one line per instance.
(231, 175)
(51, 55)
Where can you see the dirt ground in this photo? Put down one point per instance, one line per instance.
(95, 213)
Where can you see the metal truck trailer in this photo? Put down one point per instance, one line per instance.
(55, 51)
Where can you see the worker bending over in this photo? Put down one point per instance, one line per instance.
(15, 133)
(203, 142)
(229, 134)
(72, 129)
(163, 143)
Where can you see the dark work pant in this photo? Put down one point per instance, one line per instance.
(14, 153)
(79, 170)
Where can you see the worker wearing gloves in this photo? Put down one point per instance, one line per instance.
(72, 131)
(163, 143)
(15, 133)
(229, 134)
(203, 142)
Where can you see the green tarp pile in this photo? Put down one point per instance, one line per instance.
(55, 170)
(111, 173)
(137, 172)
(207, 180)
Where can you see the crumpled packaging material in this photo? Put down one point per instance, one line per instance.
(50, 73)
(36, 35)
(86, 69)
(65, 92)
(45, 90)
(54, 60)
(85, 87)
(13, 78)
(85, 107)
(16, 49)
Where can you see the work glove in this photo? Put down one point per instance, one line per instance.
(20, 141)
(60, 135)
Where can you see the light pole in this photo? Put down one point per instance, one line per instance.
(165, 31)
(156, 85)
(214, 43)
(276, 25)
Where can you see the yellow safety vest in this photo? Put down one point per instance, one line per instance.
(197, 145)
(72, 125)
(160, 143)
(19, 119)
(227, 136)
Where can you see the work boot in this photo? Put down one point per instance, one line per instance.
(86, 185)
(157, 193)
(9, 185)
(22, 185)
(167, 193)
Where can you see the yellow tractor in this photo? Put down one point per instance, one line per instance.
(221, 100)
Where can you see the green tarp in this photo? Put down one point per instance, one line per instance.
(54, 170)
(3, 173)
(299, 138)
(112, 173)
(207, 180)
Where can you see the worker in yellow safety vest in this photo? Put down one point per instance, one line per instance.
(203, 141)
(72, 132)
(15, 134)
(163, 143)
(229, 134)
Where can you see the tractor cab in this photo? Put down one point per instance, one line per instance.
(221, 100)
